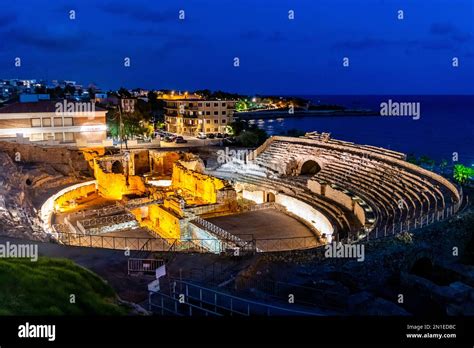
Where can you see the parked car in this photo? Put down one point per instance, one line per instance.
(211, 136)
(201, 135)
(180, 140)
(219, 135)
(169, 139)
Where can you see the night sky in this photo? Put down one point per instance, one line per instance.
(277, 55)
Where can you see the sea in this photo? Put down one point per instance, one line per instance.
(443, 130)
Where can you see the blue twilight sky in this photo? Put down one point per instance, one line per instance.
(277, 55)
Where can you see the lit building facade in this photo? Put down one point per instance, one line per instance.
(192, 116)
(62, 121)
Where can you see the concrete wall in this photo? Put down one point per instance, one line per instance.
(359, 212)
(207, 240)
(308, 213)
(339, 197)
(47, 209)
(255, 196)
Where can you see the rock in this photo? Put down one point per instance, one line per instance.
(356, 301)
(380, 306)
(463, 292)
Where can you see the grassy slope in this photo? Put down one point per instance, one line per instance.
(44, 288)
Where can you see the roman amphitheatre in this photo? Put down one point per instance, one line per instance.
(290, 196)
(296, 193)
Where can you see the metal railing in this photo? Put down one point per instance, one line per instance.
(107, 220)
(410, 224)
(143, 265)
(221, 233)
(177, 245)
(208, 301)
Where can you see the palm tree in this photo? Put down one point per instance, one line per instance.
(462, 173)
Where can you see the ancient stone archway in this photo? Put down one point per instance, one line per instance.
(117, 167)
(310, 167)
(270, 197)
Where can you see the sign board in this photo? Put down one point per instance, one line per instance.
(154, 286)
(160, 271)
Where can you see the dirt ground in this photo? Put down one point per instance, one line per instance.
(262, 224)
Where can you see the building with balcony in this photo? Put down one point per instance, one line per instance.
(192, 116)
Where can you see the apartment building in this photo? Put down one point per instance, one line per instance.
(191, 116)
(62, 121)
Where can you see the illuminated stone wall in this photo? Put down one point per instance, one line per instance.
(161, 163)
(255, 196)
(115, 186)
(197, 184)
(66, 160)
(339, 197)
(141, 162)
(63, 202)
(307, 213)
(163, 222)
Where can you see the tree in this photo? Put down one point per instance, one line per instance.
(462, 173)
(124, 93)
(69, 89)
(411, 158)
(136, 123)
(248, 135)
(91, 91)
(442, 165)
(237, 127)
(40, 89)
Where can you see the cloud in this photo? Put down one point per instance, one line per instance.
(450, 31)
(43, 40)
(138, 12)
(365, 43)
(442, 28)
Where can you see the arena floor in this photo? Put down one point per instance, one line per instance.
(262, 224)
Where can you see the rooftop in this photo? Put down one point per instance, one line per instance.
(45, 106)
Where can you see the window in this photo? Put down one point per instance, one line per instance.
(46, 122)
(191, 105)
(208, 104)
(216, 129)
(68, 121)
(216, 104)
(35, 122)
(200, 104)
(68, 136)
(58, 136)
(224, 104)
(216, 113)
(208, 112)
(208, 129)
(58, 122)
(208, 121)
(223, 121)
(216, 121)
(224, 112)
(36, 137)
